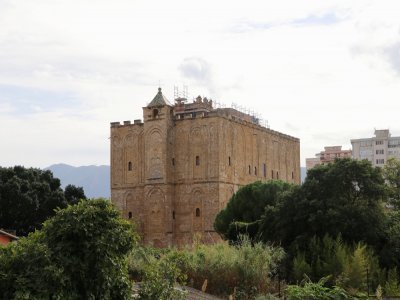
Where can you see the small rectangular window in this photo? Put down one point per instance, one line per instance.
(173, 161)
(255, 170)
(229, 160)
(197, 160)
(265, 170)
(272, 174)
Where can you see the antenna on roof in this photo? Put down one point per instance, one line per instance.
(181, 97)
(176, 92)
(185, 93)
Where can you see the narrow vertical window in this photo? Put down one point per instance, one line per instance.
(277, 175)
(130, 215)
(272, 174)
(229, 160)
(197, 212)
(265, 170)
(249, 169)
(173, 161)
(130, 166)
(197, 160)
(292, 175)
(173, 215)
(255, 170)
(155, 113)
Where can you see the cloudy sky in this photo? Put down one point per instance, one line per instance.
(322, 71)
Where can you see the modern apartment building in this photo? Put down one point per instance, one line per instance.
(377, 149)
(327, 156)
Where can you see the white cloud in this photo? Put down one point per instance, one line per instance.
(324, 71)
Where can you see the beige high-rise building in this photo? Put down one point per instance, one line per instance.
(329, 154)
(173, 172)
(377, 149)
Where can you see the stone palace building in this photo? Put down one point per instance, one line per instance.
(173, 172)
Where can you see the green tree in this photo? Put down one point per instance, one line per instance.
(344, 197)
(80, 253)
(392, 285)
(90, 242)
(246, 207)
(29, 196)
(391, 173)
(27, 271)
(74, 194)
(390, 252)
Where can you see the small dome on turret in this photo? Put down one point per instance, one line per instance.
(159, 100)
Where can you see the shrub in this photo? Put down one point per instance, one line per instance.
(345, 265)
(244, 268)
(79, 254)
(316, 290)
(160, 282)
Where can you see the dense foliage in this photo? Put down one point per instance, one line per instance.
(80, 253)
(246, 207)
(341, 198)
(318, 291)
(29, 196)
(391, 173)
(243, 270)
(336, 224)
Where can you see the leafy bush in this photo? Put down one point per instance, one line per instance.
(317, 290)
(244, 268)
(79, 254)
(392, 286)
(345, 265)
(160, 282)
(27, 272)
(158, 271)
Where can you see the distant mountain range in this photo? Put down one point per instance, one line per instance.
(95, 180)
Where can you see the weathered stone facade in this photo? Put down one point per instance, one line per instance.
(175, 171)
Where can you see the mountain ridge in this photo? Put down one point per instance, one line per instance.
(95, 180)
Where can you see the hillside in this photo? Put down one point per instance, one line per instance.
(95, 180)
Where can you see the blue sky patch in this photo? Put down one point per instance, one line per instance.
(326, 19)
(27, 100)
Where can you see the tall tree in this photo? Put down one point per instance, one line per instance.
(73, 194)
(247, 205)
(391, 173)
(344, 197)
(29, 196)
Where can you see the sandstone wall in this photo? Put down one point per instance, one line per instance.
(173, 176)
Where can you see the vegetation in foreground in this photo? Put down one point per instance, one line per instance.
(244, 270)
(80, 253)
(338, 237)
(342, 224)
